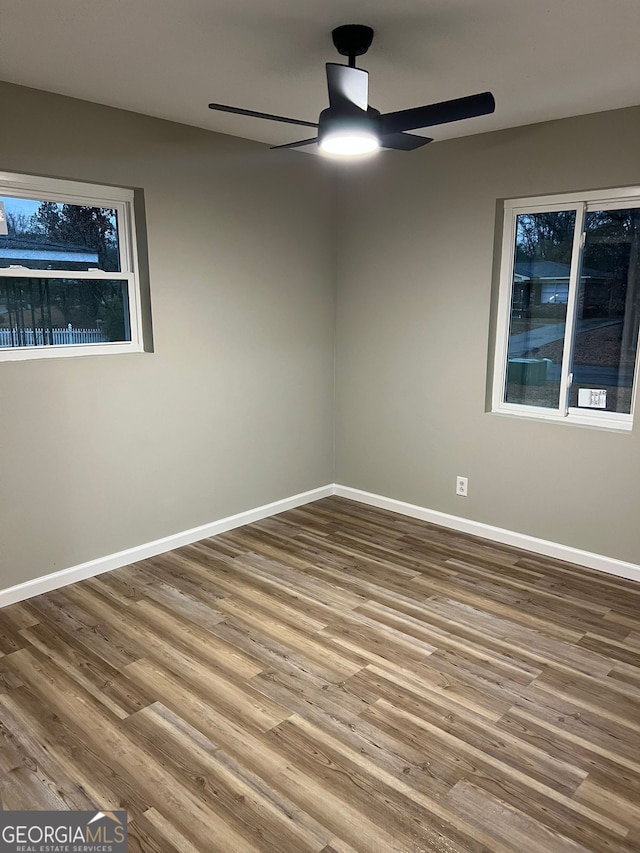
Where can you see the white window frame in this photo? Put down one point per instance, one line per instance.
(581, 202)
(95, 195)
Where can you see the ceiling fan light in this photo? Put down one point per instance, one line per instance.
(350, 143)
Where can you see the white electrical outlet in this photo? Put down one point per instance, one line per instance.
(462, 484)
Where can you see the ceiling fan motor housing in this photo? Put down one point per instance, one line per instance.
(343, 122)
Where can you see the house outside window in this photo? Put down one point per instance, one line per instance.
(569, 309)
(68, 269)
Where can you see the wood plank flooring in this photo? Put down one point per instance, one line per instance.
(336, 679)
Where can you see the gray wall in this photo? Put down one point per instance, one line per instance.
(234, 407)
(415, 270)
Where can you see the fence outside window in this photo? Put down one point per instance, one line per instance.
(50, 337)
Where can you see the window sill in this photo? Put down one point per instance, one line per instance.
(609, 423)
(65, 351)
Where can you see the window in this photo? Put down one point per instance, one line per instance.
(569, 308)
(68, 269)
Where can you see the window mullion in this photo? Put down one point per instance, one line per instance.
(572, 305)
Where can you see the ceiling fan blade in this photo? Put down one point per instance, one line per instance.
(403, 141)
(347, 86)
(239, 111)
(442, 113)
(295, 144)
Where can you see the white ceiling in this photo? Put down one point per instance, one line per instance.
(542, 59)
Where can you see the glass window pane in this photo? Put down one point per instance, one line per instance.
(540, 291)
(45, 311)
(49, 235)
(608, 312)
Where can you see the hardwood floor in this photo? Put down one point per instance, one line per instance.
(337, 679)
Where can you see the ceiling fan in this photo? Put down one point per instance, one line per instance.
(350, 126)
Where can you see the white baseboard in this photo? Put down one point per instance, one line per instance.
(37, 586)
(496, 534)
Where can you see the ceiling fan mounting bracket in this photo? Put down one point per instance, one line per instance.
(352, 40)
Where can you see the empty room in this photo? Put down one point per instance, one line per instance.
(319, 461)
